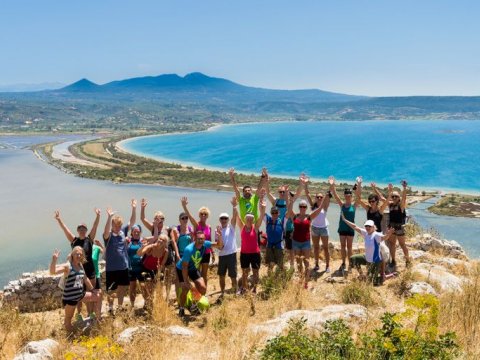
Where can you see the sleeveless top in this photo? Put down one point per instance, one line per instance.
(151, 262)
(397, 216)
(321, 220)
(349, 213)
(376, 217)
(249, 241)
(301, 229)
(134, 259)
(281, 204)
(183, 239)
(207, 230)
(73, 290)
(274, 232)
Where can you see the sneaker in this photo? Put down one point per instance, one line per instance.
(194, 310)
(316, 268)
(241, 291)
(327, 270)
(342, 268)
(181, 312)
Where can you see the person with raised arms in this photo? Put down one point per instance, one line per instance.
(201, 225)
(373, 255)
(86, 242)
(250, 257)
(302, 221)
(397, 218)
(248, 201)
(162, 229)
(346, 234)
(182, 235)
(189, 265)
(227, 257)
(77, 286)
(116, 258)
(373, 209)
(319, 226)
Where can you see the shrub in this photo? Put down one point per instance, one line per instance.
(274, 283)
(358, 292)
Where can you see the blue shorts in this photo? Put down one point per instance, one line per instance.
(297, 245)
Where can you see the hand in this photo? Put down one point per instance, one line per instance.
(264, 173)
(218, 232)
(55, 254)
(331, 181)
(373, 185)
(234, 201)
(390, 231)
(97, 242)
(304, 179)
(144, 242)
(185, 285)
(263, 192)
(404, 184)
(231, 172)
(263, 203)
(110, 212)
(97, 211)
(184, 201)
(57, 215)
(390, 187)
(359, 180)
(134, 203)
(143, 203)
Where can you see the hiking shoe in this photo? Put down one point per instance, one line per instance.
(78, 318)
(181, 312)
(241, 291)
(327, 270)
(316, 268)
(194, 310)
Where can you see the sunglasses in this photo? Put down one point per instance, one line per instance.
(319, 197)
(224, 218)
(281, 192)
(395, 197)
(368, 226)
(184, 218)
(302, 206)
(161, 218)
(372, 201)
(274, 212)
(203, 214)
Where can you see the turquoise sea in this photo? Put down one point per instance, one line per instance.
(434, 154)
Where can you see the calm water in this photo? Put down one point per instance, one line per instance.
(31, 190)
(431, 154)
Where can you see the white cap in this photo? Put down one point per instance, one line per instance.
(369, 223)
(249, 215)
(223, 215)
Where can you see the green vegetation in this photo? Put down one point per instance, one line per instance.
(457, 205)
(412, 334)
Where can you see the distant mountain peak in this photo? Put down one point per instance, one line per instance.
(82, 85)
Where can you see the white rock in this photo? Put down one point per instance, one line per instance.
(417, 254)
(421, 287)
(127, 335)
(451, 262)
(37, 350)
(179, 330)
(315, 318)
(439, 274)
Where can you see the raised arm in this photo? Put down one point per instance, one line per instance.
(100, 245)
(271, 198)
(404, 195)
(93, 232)
(263, 206)
(218, 243)
(358, 196)
(307, 194)
(231, 172)
(350, 224)
(290, 214)
(184, 201)
(54, 268)
(263, 179)
(68, 234)
(108, 225)
(133, 216)
(233, 221)
(333, 190)
(377, 192)
(144, 220)
(326, 200)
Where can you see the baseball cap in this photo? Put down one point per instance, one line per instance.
(369, 223)
(223, 215)
(82, 225)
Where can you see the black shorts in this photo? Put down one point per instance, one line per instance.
(142, 275)
(98, 283)
(89, 270)
(247, 260)
(346, 233)
(72, 302)
(227, 262)
(192, 275)
(288, 240)
(205, 259)
(116, 278)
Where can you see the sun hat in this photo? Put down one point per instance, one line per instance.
(369, 223)
(224, 214)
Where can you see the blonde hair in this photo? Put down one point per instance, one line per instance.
(83, 259)
(158, 214)
(204, 209)
(117, 219)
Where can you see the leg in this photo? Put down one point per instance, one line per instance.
(298, 256)
(205, 272)
(91, 305)
(349, 248)
(255, 279)
(132, 291)
(316, 249)
(306, 262)
(392, 245)
(201, 286)
(326, 253)
(69, 311)
(343, 248)
(245, 273)
(121, 292)
(401, 242)
(222, 284)
(234, 283)
(95, 300)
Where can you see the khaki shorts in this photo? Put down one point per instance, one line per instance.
(274, 255)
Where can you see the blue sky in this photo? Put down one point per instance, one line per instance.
(382, 47)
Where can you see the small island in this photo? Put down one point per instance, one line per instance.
(457, 205)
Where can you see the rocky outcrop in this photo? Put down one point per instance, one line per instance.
(37, 350)
(439, 276)
(449, 248)
(316, 319)
(421, 287)
(129, 334)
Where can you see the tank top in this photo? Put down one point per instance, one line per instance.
(397, 216)
(183, 239)
(207, 230)
(321, 220)
(376, 217)
(349, 213)
(151, 262)
(301, 229)
(249, 241)
(73, 290)
(134, 259)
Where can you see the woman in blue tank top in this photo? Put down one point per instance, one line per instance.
(346, 234)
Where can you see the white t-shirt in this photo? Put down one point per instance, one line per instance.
(229, 241)
(321, 220)
(372, 246)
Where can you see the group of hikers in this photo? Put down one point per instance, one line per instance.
(181, 254)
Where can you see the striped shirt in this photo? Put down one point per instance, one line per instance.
(74, 285)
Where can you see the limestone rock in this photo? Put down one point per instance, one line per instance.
(127, 335)
(38, 350)
(179, 330)
(440, 275)
(449, 248)
(421, 287)
(315, 318)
